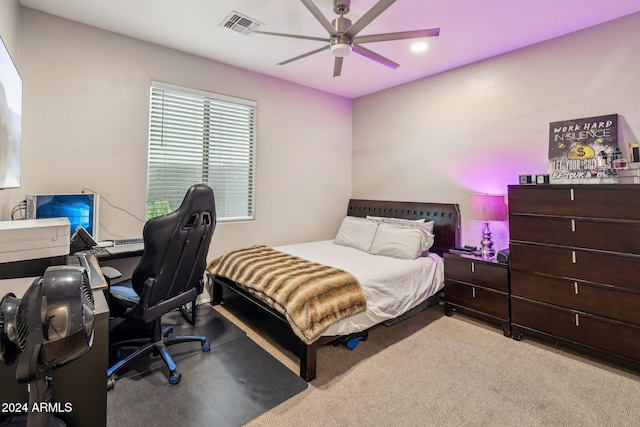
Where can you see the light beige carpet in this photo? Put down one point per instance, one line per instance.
(455, 371)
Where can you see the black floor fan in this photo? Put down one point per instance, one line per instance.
(51, 325)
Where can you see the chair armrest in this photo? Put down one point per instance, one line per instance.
(110, 273)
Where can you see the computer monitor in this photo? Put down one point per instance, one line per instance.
(10, 120)
(81, 209)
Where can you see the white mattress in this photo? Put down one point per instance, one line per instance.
(391, 286)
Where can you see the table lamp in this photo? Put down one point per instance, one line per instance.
(488, 208)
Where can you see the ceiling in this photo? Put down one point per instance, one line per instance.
(471, 30)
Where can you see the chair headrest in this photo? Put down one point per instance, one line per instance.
(199, 197)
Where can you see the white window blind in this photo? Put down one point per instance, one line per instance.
(199, 137)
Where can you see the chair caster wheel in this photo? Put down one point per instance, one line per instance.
(206, 346)
(175, 378)
(168, 332)
(111, 384)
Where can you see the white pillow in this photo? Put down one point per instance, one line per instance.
(401, 242)
(356, 232)
(420, 223)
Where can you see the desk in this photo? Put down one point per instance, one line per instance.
(82, 383)
(28, 268)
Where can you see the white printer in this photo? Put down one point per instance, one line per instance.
(29, 239)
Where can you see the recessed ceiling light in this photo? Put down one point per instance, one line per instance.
(419, 47)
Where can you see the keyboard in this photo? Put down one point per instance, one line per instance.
(133, 241)
(96, 251)
(123, 249)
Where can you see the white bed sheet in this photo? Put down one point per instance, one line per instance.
(391, 286)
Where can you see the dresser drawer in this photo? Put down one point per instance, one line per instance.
(482, 273)
(487, 301)
(579, 295)
(599, 267)
(577, 232)
(604, 334)
(596, 201)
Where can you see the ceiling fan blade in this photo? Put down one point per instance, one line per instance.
(374, 56)
(433, 32)
(293, 36)
(337, 66)
(304, 55)
(368, 17)
(320, 17)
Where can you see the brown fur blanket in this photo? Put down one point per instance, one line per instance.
(311, 296)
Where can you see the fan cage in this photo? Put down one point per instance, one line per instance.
(22, 323)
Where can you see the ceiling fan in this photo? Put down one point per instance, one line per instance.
(343, 34)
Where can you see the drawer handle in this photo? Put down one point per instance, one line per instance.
(572, 195)
(575, 286)
(577, 320)
(573, 257)
(473, 266)
(473, 292)
(573, 225)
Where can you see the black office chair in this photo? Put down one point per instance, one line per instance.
(168, 276)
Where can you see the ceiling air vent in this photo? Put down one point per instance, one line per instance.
(240, 23)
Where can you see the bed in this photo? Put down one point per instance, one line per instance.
(416, 282)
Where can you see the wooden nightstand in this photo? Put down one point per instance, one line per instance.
(477, 287)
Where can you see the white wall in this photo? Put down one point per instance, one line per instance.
(85, 125)
(473, 129)
(476, 128)
(9, 19)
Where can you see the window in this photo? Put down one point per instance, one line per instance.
(199, 137)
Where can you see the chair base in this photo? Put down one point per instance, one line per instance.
(156, 346)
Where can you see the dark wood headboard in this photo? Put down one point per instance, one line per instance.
(446, 217)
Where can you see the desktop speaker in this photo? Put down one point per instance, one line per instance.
(503, 256)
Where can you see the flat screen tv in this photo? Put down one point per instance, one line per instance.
(80, 208)
(10, 120)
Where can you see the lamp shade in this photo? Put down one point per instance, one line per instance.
(488, 207)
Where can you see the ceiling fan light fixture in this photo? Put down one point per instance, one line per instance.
(340, 50)
(340, 46)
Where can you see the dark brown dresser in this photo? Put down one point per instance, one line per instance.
(477, 287)
(575, 266)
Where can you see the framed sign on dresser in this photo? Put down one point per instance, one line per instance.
(575, 264)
